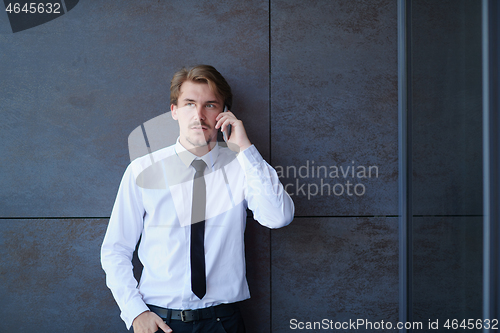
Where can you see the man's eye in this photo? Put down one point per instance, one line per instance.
(190, 104)
(210, 106)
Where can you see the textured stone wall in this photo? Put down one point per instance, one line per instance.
(315, 83)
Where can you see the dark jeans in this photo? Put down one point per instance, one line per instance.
(228, 324)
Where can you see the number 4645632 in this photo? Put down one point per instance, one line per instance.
(33, 8)
(471, 324)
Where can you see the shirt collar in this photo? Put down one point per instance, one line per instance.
(188, 157)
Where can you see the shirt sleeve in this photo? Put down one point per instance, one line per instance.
(271, 205)
(124, 229)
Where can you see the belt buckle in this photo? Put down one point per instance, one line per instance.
(183, 316)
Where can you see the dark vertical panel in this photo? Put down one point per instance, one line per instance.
(491, 157)
(446, 164)
(404, 160)
(334, 104)
(446, 108)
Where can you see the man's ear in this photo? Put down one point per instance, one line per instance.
(173, 108)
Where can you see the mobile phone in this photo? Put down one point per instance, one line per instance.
(227, 132)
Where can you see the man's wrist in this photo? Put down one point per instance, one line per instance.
(245, 146)
(137, 309)
(139, 316)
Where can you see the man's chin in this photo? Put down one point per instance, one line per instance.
(198, 142)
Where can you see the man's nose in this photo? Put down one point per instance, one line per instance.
(200, 112)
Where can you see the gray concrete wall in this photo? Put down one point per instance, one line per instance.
(315, 83)
(447, 159)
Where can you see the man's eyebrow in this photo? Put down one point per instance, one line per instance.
(192, 100)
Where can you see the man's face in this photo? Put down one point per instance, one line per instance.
(196, 110)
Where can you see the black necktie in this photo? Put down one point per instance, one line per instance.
(198, 280)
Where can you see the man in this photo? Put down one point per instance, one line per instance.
(187, 203)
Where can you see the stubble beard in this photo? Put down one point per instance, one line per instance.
(198, 143)
(201, 142)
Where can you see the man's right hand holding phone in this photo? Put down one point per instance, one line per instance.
(238, 139)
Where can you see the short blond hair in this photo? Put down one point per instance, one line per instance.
(201, 73)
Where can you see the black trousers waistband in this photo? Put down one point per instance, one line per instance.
(221, 310)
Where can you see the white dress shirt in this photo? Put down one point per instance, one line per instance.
(154, 203)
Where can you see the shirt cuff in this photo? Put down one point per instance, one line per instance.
(132, 312)
(249, 158)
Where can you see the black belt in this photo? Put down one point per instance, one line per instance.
(221, 310)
